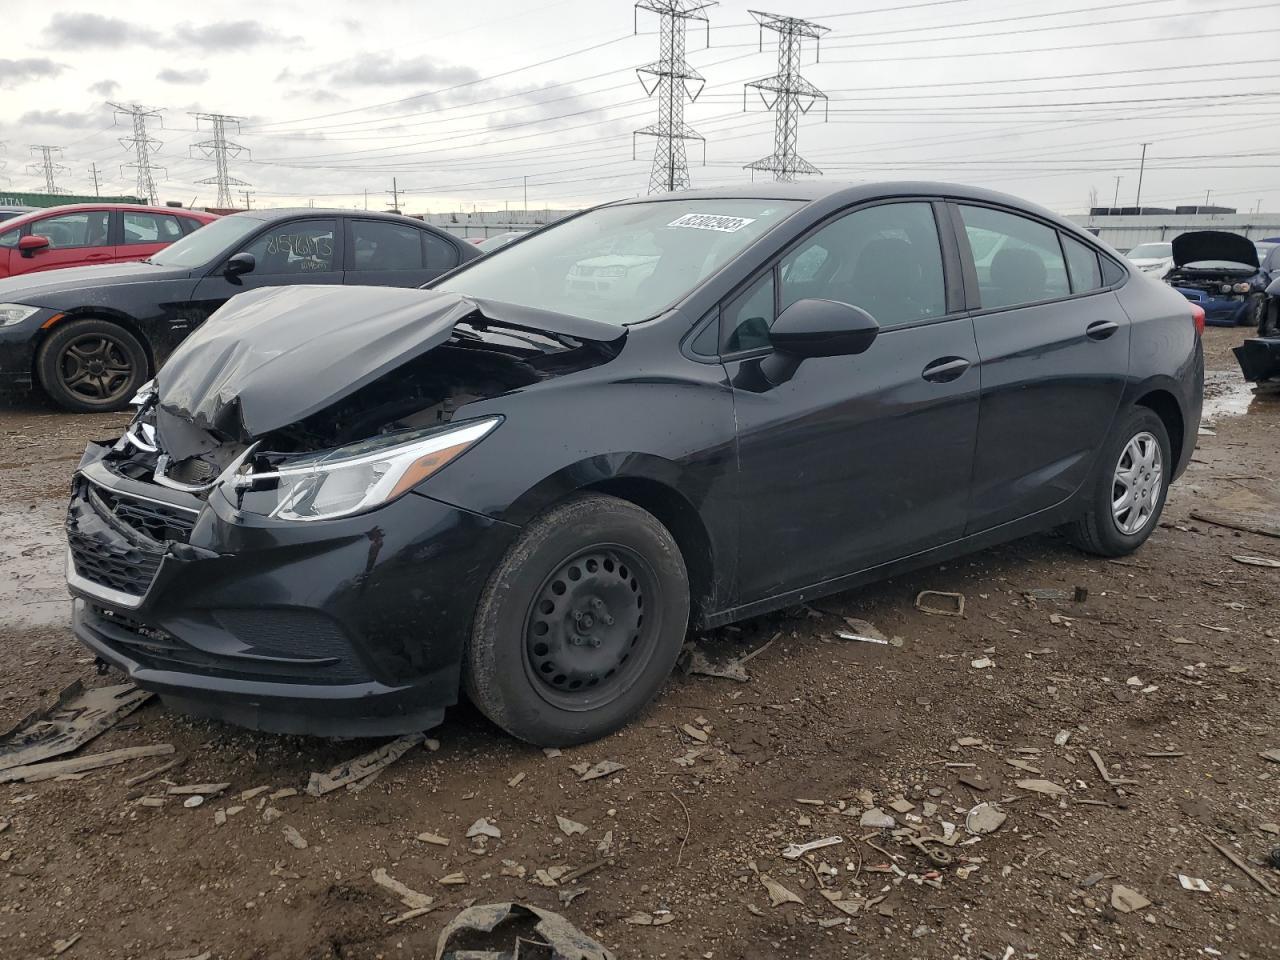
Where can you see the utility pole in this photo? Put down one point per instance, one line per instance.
(47, 166)
(1206, 197)
(1142, 166)
(793, 95)
(366, 198)
(218, 149)
(247, 195)
(526, 193)
(395, 196)
(1115, 202)
(143, 146)
(672, 80)
(93, 170)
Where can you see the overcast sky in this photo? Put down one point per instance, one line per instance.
(461, 101)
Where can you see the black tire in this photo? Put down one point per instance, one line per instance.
(1098, 530)
(91, 366)
(1255, 311)
(587, 561)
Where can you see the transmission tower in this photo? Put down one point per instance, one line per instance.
(219, 148)
(47, 166)
(142, 145)
(793, 95)
(672, 80)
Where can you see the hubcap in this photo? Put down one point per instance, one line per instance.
(586, 632)
(1137, 484)
(96, 367)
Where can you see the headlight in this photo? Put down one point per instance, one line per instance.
(358, 477)
(13, 313)
(1242, 287)
(614, 272)
(1225, 288)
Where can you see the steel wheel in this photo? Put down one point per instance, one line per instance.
(96, 367)
(586, 636)
(1137, 483)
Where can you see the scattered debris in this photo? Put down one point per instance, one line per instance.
(1247, 870)
(954, 609)
(499, 929)
(155, 772)
(695, 732)
(410, 898)
(778, 894)
(641, 919)
(569, 827)
(794, 851)
(74, 718)
(294, 838)
(484, 828)
(1272, 755)
(363, 766)
(877, 819)
(62, 946)
(1127, 900)
(1260, 523)
(205, 789)
(193, 801)
(1193, 883)
(47, 771)
(1257, 561)
(453, 879)
(434, 838)
(517, 779)
(602, 769)
(982, 663)
(865, 632)
(984, 818)
(901, 805)
(697, 662)
(1046, 787)
(1106, 776)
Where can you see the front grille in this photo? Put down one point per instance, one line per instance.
(104, 555)
(159, 521)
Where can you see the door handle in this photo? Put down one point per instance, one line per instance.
(1101, 329)
(945, 369)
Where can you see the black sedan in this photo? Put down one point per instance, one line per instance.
(91, 336)
(339, 508)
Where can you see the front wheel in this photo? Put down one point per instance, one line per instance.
(1128, 487)
(91, 366)
(580, 623)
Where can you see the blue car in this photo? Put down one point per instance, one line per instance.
(1225, 273)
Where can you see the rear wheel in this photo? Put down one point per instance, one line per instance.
(580, 623)
(1255, 310)
(91, 366)
(1129, 485)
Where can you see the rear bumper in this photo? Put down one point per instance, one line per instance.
(1259, 358)
(352, 627)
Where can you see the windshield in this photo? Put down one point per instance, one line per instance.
(621, 264)
(211, 240)
(1151, 251)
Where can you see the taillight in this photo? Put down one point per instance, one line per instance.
(1197, 316)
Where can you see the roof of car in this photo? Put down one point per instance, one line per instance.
(268, 215)
(37, 213)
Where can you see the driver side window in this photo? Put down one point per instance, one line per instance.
(300, 247)
(885, 259)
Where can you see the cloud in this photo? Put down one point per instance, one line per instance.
(57, 118)
(14, 72)
(78, 31)
(183, 76)
(371, 70)
(104, 88)
(230, 35)
(318, 95)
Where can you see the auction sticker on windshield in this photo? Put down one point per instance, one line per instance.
(711, 221)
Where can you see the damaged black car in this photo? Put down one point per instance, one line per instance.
(340, 508)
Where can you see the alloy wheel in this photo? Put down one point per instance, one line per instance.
(96, 367)
(1137, 483)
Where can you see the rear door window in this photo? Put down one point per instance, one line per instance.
(296, 247)
(440, 253)
(1017, 260)
(1082, 262)
(150, 228)
(384, 245)
(84, 229)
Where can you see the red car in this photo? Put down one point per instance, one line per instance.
(83, 234)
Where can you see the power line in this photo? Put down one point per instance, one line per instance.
(47, 166)
(671, 84)
(143, 146)
(793, 95)
(219, 149)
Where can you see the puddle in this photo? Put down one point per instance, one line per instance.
(33, 588)
(1226, 395)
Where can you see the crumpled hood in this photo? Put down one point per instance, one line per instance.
(273, 356)
(1214, 245)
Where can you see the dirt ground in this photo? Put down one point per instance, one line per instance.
(1175, 651)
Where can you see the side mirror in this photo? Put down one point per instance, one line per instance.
(27, 246)
(238, 264)
(816, 328)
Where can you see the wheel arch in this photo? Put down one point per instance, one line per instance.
(1165, 406)
(681, 518)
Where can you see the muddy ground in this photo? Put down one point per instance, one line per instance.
(1174, 651)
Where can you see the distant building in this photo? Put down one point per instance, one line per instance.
(1127, 228)
(9, 199)
(488, 223)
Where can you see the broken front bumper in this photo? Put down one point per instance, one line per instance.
(350, 627)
